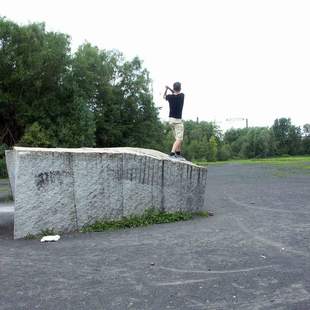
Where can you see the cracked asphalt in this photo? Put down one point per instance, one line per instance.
(254, 253)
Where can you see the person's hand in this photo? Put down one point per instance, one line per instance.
(167, 87)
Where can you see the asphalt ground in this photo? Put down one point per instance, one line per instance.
(5, 191)
(254, 253)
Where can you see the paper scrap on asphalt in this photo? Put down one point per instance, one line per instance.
(50, 238)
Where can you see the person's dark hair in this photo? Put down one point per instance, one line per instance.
(177, 86)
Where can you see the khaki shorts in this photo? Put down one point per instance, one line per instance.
(177, 128)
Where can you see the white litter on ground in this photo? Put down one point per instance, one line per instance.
(50, 238)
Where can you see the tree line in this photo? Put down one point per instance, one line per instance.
(52, 97)
(56, 98)
(206, 141)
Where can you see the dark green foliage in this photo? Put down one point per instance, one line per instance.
(212, 149)
(49, 97)
(201, 140)
(224, 152)
(44, 232)
(3, 170)
(204, 141)
(306, 145)
(150, 216)
(288, 137)
(33, 64)
(35, 135)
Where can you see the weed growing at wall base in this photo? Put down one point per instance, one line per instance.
(44, 232)
(149, 217)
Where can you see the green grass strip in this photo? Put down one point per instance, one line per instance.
(283, 160)
(149, 217)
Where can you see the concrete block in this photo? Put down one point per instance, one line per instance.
(65, 189)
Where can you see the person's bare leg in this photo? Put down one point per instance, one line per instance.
(176, 146)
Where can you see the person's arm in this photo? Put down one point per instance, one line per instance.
(165, 94)
(170, 89)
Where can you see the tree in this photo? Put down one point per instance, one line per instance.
(212, 149)
(35, 135)
(280, 130)
(306, 130)
(33, 64)
(197, 137)
(119, 94)
(94, 97)
(294, 140)
(224, 152)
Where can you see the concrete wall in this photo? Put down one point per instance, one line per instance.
(65, 189)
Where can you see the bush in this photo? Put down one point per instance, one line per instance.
(212, 149)
(224, 153)
(35, 135)
(3, 170)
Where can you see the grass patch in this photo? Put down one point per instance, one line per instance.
(44, 232)
(284, 160)
(31, 237)
(285, 166)
(149, 217)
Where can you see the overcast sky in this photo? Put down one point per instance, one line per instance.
(234, 58)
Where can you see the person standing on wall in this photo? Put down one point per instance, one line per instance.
(176, 102)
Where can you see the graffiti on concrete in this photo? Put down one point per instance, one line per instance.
(44, 179)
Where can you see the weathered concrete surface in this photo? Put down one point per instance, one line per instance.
(65, 189)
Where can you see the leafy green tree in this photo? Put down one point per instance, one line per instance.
(224, 152)
(212, 149)
(35, 135)
(294, 139)
(306, 130)
(119, 94)
(94, 97)
(288, 137)
(306, 139)
(250, 142)
(196, 139)
(3, 170)
(235, 138)
(32, 67)
(280, 130)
